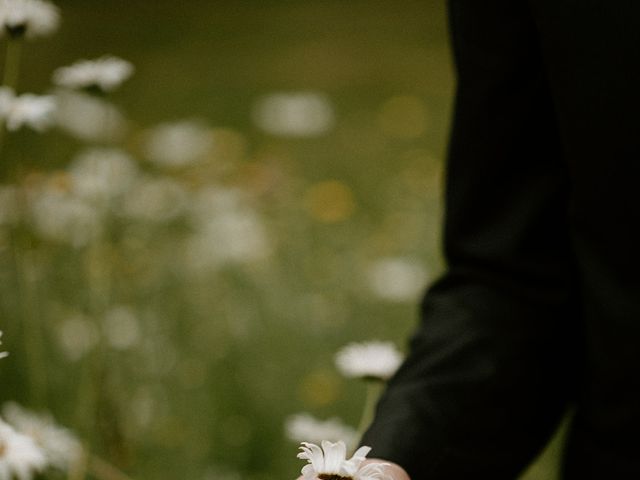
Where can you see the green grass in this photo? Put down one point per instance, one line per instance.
(224, 357)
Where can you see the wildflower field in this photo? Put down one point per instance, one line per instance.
(200, 205)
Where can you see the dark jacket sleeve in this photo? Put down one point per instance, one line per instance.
(489, 370)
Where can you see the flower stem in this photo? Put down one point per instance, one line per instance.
(373, 392)
(10, 74)
(103, 470)
(12, 63)
(33, 335)
(27, 272)
(78, 470)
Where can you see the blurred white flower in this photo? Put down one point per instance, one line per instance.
(369, 360)
(30, 18)
(2, 354)
(76, 336)
(61, 216)
(143, 408)
(121, 327)
(230, 237)
(178, 144)
(20, 457)
(227, 230)
(155, 199)
(397, 279)
(9, 212)
(102, 175)
(212, 200)
(105, 74)
(60, 446)
(35, 111)
(305, 427)
(88, 117)
(331, 462)
(304, 114)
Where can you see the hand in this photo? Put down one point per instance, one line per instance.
(394, 471)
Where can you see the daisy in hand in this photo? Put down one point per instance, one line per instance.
(330, 463)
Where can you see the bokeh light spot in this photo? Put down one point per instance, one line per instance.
(236, 430)
(330, 201)
(403, 117)
(319, 388)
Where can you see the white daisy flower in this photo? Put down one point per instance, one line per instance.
(62, 216)
(29, 18)
(60, 447)
(227, 230)
(304, 427)
(121, 327)
(101, 175)
(2, 354)
(35, 111)
(294, 114)
(155, 199)
(397, 279)
(228, 238)
(20, 457)
(77, 335)
(369, 360)
(105, 74)
(89, 117)
(330, 463)
(178, 144)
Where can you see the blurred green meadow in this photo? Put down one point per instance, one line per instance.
(176, 318)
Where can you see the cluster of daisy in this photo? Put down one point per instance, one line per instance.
(63, 208)
(373, 362)
(103, 186)
(76, 204)
(32, 443)
(39, 112)
(30, 19)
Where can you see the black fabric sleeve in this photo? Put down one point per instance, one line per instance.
(490, 367)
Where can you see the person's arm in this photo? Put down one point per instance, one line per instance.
(488, 374)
